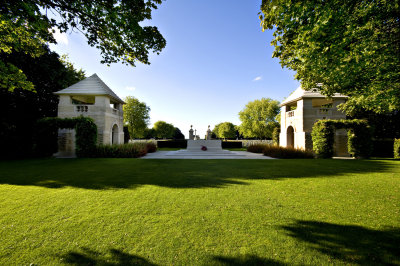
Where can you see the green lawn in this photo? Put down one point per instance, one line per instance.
(199, 212)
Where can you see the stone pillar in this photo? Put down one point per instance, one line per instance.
(191, 135)
(208, 136)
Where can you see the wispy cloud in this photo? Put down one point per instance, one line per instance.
(257, 78)
(130, 88)
(61, 37)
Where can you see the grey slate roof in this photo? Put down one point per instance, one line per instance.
(299, 93)
(92, 85)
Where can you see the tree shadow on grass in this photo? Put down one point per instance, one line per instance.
(349, 243)
(116, 257)
(131, 173)
(245, 260)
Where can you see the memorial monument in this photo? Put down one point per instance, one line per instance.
(208, 136)
(191, 135)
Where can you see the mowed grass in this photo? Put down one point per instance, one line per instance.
(199, 212)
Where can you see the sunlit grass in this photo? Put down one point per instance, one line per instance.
(199, 212)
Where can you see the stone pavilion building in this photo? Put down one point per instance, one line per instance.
(91, 97)
(301, 110)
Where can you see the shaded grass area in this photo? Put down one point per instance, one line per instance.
(199, 212)
(128, 173)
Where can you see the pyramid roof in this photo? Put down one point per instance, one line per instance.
(300, 93)
(92, 85)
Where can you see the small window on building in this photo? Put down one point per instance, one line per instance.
(114, 105)
(83, 100)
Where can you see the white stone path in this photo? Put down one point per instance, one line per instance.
(223, 154)
(214, 151)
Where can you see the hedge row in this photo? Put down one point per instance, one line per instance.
(46, 134)
(359, 134)
(257, 148)
(232, 144)
(276, 151)
(396, 149)
(130, 150)
(172, 144)
(287, 152)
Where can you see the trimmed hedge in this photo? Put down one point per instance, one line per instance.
(359, 134)
(130, 150)
(232, 145)
(257, 148)
(85, 137)
(172, 144)
(383, 148)
(46, 134)
(323, 137)
(287, 153)
(396, 150)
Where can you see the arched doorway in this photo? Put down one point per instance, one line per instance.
(114, 135)
(290, 137)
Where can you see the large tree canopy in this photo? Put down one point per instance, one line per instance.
(112, 26)
(348, 47)
(21, 108)
(136, 116)
(225, 130)
(163, 130)
(258, 118)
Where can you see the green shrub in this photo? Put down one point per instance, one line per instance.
(323, 134)
(130, 150)
(359, 142)
(151, 147)
(287, 153)
(396, 149)
(85, 137)
(275, 135)
(47, 132)
(359, 139)
(257, 148)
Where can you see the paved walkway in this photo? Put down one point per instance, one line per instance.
(189, 154)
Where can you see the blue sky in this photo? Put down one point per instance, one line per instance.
(216, 60)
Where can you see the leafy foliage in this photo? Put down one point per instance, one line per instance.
(348, 47)
(136, 116)
(163, 130)
(21, 108)
(323, 137)
(114, 27)
(385, 125)
(225, 130)
(258, 118)
(178, 134)
(18, 36)
(85, 136)
(396, 149)
(275, 135)
(359, 137)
